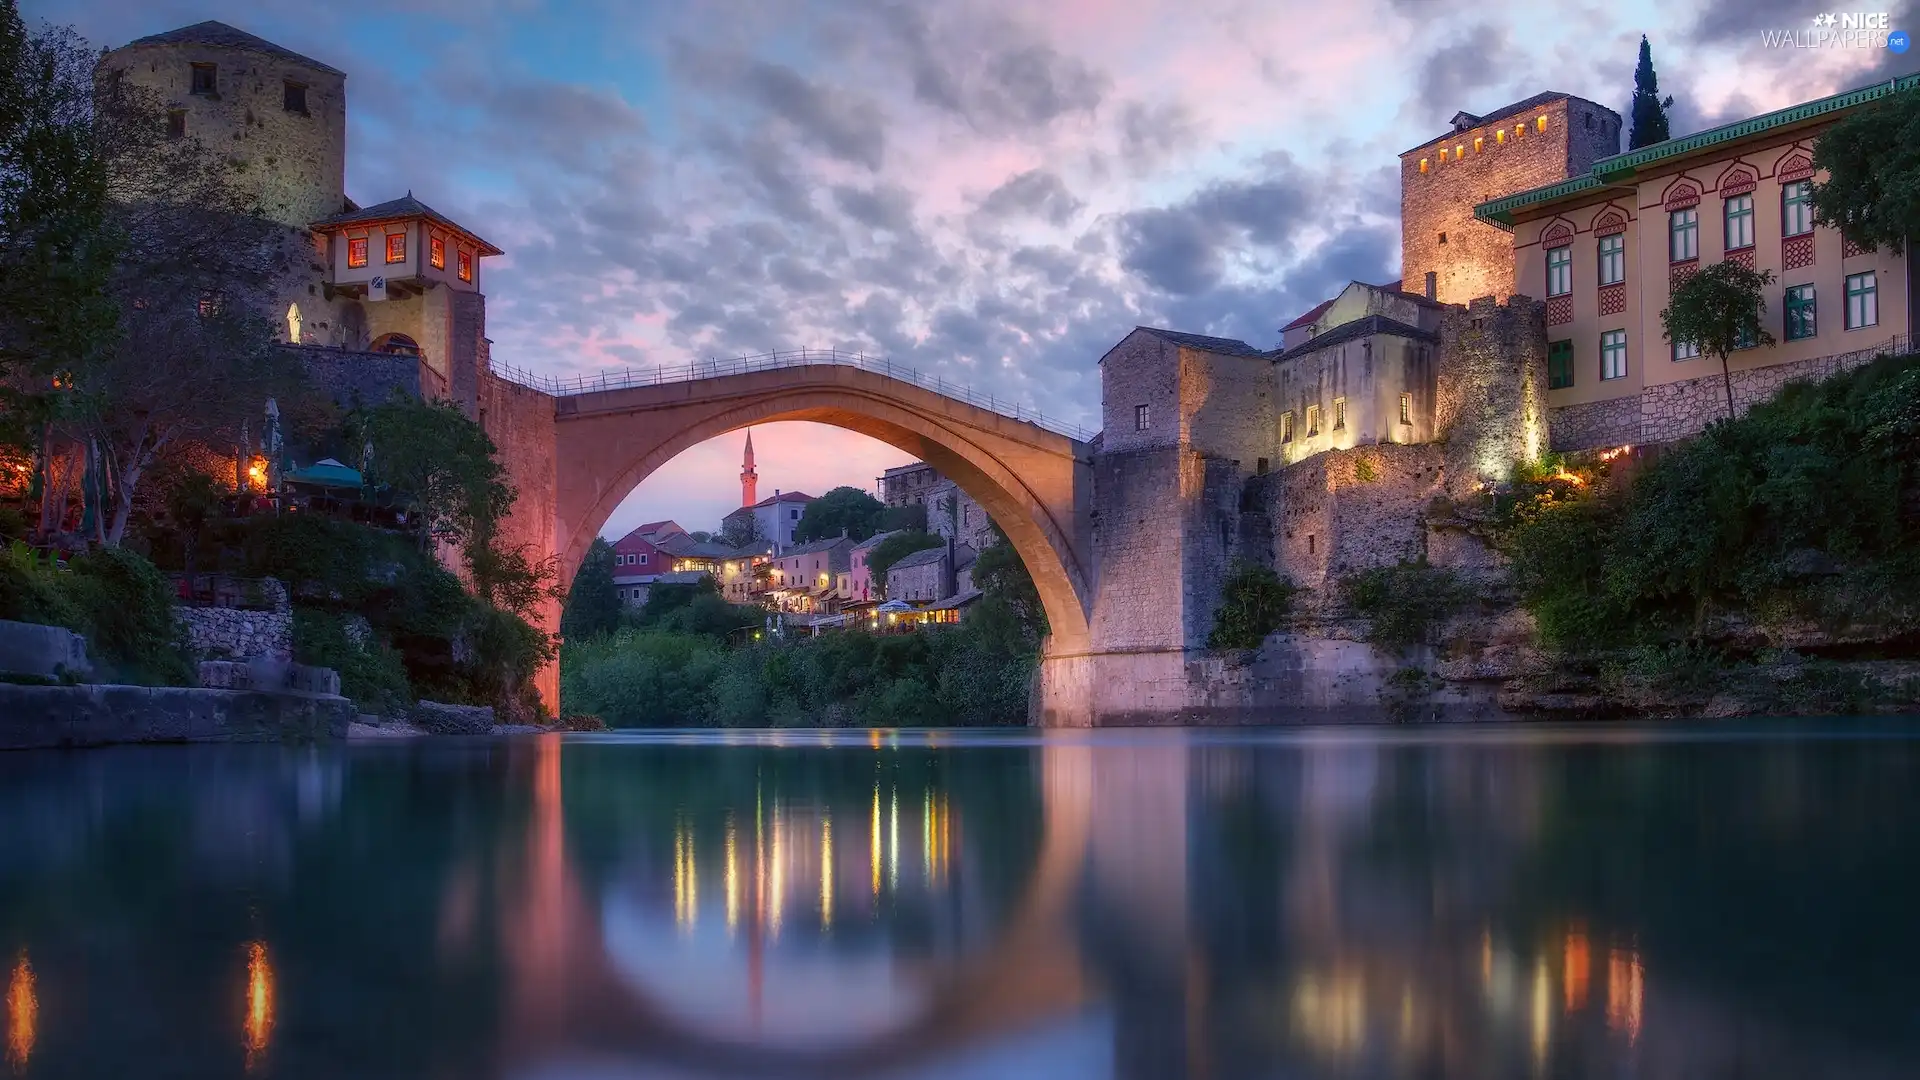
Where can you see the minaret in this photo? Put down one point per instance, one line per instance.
(749, 479)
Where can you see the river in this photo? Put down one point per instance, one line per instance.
(1731, 900)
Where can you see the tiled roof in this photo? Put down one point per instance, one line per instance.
(1622, 167)
(220, 34)
(874, 541)
(924, 557)
(404, 207)
(814, 547)
(681, 577)
(1318, 310)
(784, 496)
(1224, 346)
(961, 600)
(1501, 113)
(1372, 324)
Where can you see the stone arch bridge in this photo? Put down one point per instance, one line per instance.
(1032, 473)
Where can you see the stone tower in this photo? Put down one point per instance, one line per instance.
(1491, 403)
(749, 478)
(1445, 253)
(283, 114)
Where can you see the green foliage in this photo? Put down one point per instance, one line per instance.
(999, 573)
(126, 610)
(1405, 603)
(430, 455)
(1720, 309)
(1649, 110)
(1871, 159)
(910, 517)
(741, 529)
(593, 602)
(1809, 505)
(1365, 471)
(1253, 600)
(30, 590)
(842, 508)
(897, 547)
(372, 673)
(642, 678)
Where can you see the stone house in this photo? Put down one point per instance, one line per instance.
(952, 514)
(929, 575)
(856, 585)
(803, 576)
(1606, 248)
(777, 516)
(1362, 372)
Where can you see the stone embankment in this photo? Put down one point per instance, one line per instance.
(44, 717)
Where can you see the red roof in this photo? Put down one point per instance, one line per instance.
(1318, 310)
(657, 526)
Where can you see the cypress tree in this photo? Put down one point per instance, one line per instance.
(1649, 111)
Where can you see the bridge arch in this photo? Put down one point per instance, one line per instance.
(1033, 482)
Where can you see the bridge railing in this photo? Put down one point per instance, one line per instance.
(626, 378)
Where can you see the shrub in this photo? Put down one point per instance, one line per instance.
(1253, 600)
(1406, 602)
(30, 590)
(126, 606)
(371, 672)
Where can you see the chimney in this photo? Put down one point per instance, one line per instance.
(1433, 289)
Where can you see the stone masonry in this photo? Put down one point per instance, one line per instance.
(1483, 158)
(1492, 388)
(218, 633)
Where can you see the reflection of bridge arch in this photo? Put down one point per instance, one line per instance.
(570, 994)
(1031, 480)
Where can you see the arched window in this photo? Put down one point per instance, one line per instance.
(293, 324)
(399, 344)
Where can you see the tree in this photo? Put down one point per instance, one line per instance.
(1253, 600)
(843, 508)
(897, 547)
(441, 463)
(909, 517)
(741, 528)
(700, 536)
(1872, 163)
(999, 573)
(1720, 309)
(593, 602)
(1649, 109)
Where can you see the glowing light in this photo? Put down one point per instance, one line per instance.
(1579, 965)
(257, 473)
(23, 1014)
(826, 872)
(733, 878)
(873, 856)
(777, 873)
(1567, 477)
(893, 839)
(1625, 990)
(1331, 1013)
(259, 1001)
(1609, 455)
(686, 881)
(1542, 1011)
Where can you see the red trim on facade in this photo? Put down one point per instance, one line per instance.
(1558, 231)
(1609, 223)
(1848, 249)
(1681, 271)
(1682, 197)
(1559, 310)
(1793, 169)
(1613, 298)
(1738, 182)
(1796, 251)
(1743, 256)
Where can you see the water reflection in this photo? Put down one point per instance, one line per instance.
(1129, 905)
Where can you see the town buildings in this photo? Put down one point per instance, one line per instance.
(857, 585)
(803, 577)
(952, 514)
(931, 574)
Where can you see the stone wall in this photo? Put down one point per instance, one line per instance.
(1138, 537)
(1144, 369)
(520, 423)
(219, 633)
(920, 582)
(1668, 411)
(352, 377)
(1349, 510)
(1492, 388)
(1476, 259)
(45, 717)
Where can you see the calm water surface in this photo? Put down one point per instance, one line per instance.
(1682, 902)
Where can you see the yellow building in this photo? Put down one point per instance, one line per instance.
(1606, 249)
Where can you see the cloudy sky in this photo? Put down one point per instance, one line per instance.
(994, 191)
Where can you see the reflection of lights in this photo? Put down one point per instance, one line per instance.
(733, 878)
(686, 885)
(23, 1014)
(1625, 979)
(826, 872)
(1578, 964)
(1542, 1010)
(873, 856)
(777, 881)
(259, 1000)
(893, 839)
(1331, 1013)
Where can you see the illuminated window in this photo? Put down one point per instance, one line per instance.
(1613, 355)
(1541, 123)
(1500, 137)
(1559, 365)
(1800, 315)
(1796, 208)
(356, 251)
(1684, 350)
(437, 252)
(1443, 155)
(1313, 421)
(1560, 270)
(1286, 426)
(1460, 151)
(1406, 408)
(1683, 230)
(177, 124)
(466, 265)
(1478, 144)
(1863, 301)
(1141, 418)
(1423, 161)
(396, 247)
(293, 97)
(1519, 130)
(1339, 414)
(1739, 222)
(1613, 259)
(204, 79)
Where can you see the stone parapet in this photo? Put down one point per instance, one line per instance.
(45, 652)
(44, 717)
(234, 634)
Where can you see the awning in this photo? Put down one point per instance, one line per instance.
(326, 473)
